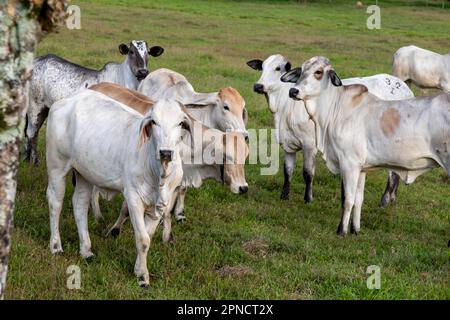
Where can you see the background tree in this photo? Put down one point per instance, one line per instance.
(22, 24)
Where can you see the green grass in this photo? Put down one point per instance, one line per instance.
(280, 249)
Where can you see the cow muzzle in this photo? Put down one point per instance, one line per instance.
(141, 74)
(165, 155)
(258, 88)
(293, 93)
(243, 189)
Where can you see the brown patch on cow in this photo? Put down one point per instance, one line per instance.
(128, 97)
(256, 247)
(234, 271)
(233, 99)
(389, 121)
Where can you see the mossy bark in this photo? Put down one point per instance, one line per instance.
(22, 22)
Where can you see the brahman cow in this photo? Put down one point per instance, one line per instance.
(117, 149)
(296, 129)
(357, 132)
(424, 68)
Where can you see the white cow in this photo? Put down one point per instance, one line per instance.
(230, 144)
(426, 69)
(296, 130)
(357, 132)
(116, 149)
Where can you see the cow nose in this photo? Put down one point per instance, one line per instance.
(165, 155)
(243, 189)
(258, 88)
(293, 92)
(142, 73)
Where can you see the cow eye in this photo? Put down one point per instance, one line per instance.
(277, 69)
(153, 122)
(318, 72)
(132, 52)
(226, 107)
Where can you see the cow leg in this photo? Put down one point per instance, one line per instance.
(289, 165)
(95, 205)
(167, 230)
(350, 184)
(34, 124)
(309, 168)
(136, 209)
(115, 229)
(179, 207)
(390, 194)
(80, 200)
(356, 222)
(55, 196)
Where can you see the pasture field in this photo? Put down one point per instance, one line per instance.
(253, 246)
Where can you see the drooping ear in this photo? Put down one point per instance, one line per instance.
(287, 66)
(123, 49)
(335, 80)
(255, 64)
(155, 51)
(145, 130)
(292, 76)
(187, 123)
(196, 99)
(245, 116)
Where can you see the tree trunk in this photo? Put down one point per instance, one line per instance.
(21, 23)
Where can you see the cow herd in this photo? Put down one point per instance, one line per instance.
(150, 135)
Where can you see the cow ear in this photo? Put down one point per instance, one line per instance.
(145, 130)
(287, 66)
(123, 49)
(292, 76)
(155, 51)
(334, 78)
(255, 64)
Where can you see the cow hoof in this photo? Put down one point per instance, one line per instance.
(284, 195)
(308, 200)
(340, 231)
(171, 241)
(114, 232)
(354, 231)
(58, 252)
(143, 283)
(180, 217)
(90, 258)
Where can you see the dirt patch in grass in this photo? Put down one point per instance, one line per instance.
(256, 247)
(234, 271)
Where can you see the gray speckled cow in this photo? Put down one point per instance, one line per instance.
(55, 78)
